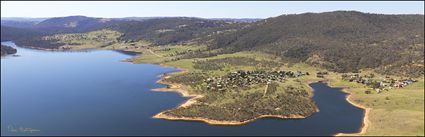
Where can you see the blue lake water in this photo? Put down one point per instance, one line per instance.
(94, 93)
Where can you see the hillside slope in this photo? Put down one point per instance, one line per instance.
(72, 24)
(343, 41)
(158, 31)
(173, 30)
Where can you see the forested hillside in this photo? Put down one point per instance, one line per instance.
(30, 33)
(18, 24)
(343, 41)
(161, 31)
(27, 37)
(13, 33)
(74, 24)
(158, 31)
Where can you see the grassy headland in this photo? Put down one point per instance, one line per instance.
(287, 99)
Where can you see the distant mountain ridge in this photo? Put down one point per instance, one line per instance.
(72, 24)
(157, 30)
(238, 19)
(58, 24)
(172, 30)
(22, 19)
(342, 41)
(20, 22)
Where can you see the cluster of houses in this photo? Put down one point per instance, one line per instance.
(245, 78)
(378, 84)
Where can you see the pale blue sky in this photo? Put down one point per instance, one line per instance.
(217, 9)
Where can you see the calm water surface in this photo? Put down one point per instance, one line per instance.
(94, 93)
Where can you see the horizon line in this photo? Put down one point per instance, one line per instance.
(221, 17)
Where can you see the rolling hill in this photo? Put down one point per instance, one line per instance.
(161, 31)
(73, 24)
(341, 41)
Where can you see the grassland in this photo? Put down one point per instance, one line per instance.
(394, 112)
(91, 40)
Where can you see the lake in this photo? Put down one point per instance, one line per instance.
(95, 93)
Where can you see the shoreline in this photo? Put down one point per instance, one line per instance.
(71, 50)
(177, 88)
(366, 122)
(173, 87)
(193, 97)
(219, 122)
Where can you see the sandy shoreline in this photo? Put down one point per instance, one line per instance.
(366, 121)
(172, 87)
(218, 122)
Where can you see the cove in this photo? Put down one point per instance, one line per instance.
(95, 93)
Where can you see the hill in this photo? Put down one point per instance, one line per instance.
(18, 24)
(26, 37)
(72, 24)
(161, 31)
(342, 41)
(158, 31)
(14, 33)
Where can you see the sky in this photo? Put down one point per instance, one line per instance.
(204, 9)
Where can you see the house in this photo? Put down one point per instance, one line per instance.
(245, 78)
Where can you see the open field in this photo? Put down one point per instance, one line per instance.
(393, 112)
